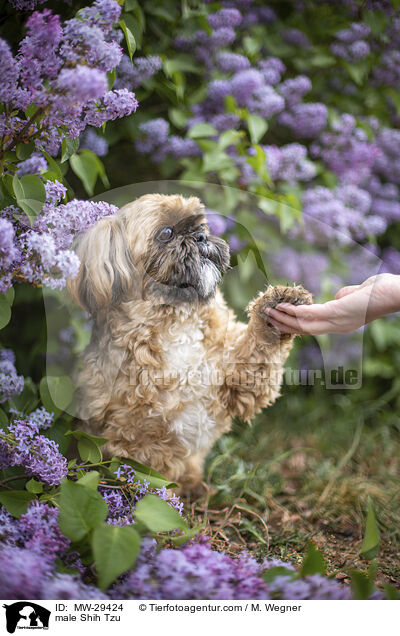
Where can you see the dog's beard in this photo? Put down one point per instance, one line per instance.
(186, 271)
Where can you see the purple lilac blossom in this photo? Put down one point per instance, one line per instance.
(391, 259)
(154, 134)
(40, 456)
(90, 140)
(289, 163)
(305, 268)
(296, 38)
(305, 120)
(39, 531)
(225, 18)
(35, 164)
(23, 573)
(61, 68)
(11, 384)
(132, 74)
(231, 62)
(294, 89)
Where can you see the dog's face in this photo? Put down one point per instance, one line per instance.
(157, 248)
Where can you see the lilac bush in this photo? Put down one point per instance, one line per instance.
(241, 93)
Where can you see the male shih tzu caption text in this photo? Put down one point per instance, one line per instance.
(242, 375)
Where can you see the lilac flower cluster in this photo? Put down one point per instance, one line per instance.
(193, 572)
(289, 163)
(155, 139)
(121, 504)
(42, 255)
(61, 69)
(306, 268)
(197, 572)
(31, 545)
(25, 574)
(11, 383)
(94, 142)
(351, 43)
(132, 74)
(22, 445)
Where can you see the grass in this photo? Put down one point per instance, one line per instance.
(305, 470)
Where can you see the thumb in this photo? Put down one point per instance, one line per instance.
(345, 291)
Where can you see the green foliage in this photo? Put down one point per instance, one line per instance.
(88, 167)
(56, 393)
(16, 501)
(158, 516)
(313, 563)
(30, 194)
(371, 542)
(81, 510)
(115, 550)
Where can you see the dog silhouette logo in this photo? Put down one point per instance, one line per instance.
(26, 615)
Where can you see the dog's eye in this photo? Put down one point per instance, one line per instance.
(165, 234)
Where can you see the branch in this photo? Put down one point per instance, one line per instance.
(19, 137)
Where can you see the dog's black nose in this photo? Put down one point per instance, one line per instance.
(201, 237)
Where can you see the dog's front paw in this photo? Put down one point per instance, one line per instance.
(258, 309)
(293, 294)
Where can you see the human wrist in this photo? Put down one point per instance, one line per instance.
(389, 293)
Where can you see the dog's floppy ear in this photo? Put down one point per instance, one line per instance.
(107, 271)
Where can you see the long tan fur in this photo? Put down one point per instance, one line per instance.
(162, 381)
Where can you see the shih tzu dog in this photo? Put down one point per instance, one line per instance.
(169, 364)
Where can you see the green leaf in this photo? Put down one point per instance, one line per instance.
(56, 393)
(134, 26)
(89, 446)
(90, 479)
(34, 486)
(5, 311)
(3, 419)
(182, 64)
(16, 501)
(257, 126)
(272, 573)
(391, 592)
(371, 542)
(158, 516)
(30, 193)
(69, 147)
(9, 295)
(313, 562)
(129, 38)
(216, 160)
(53, 165)
(202, 130)
(115, 551)
(177, 117)
(89, 452)
(58, 434)
(180, 539)
(81, 510)
(361, 584)
(26, 401)
(24, 151)
(87, 166)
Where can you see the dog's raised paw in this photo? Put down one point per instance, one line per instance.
(293, 294)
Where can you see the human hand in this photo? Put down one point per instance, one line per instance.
(353, 307)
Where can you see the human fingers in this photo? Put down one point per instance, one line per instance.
(306, 312)
(314, 328)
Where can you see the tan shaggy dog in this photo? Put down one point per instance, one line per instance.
(169, 365)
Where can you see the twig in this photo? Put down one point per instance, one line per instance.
(5, 481)
(20, 135)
